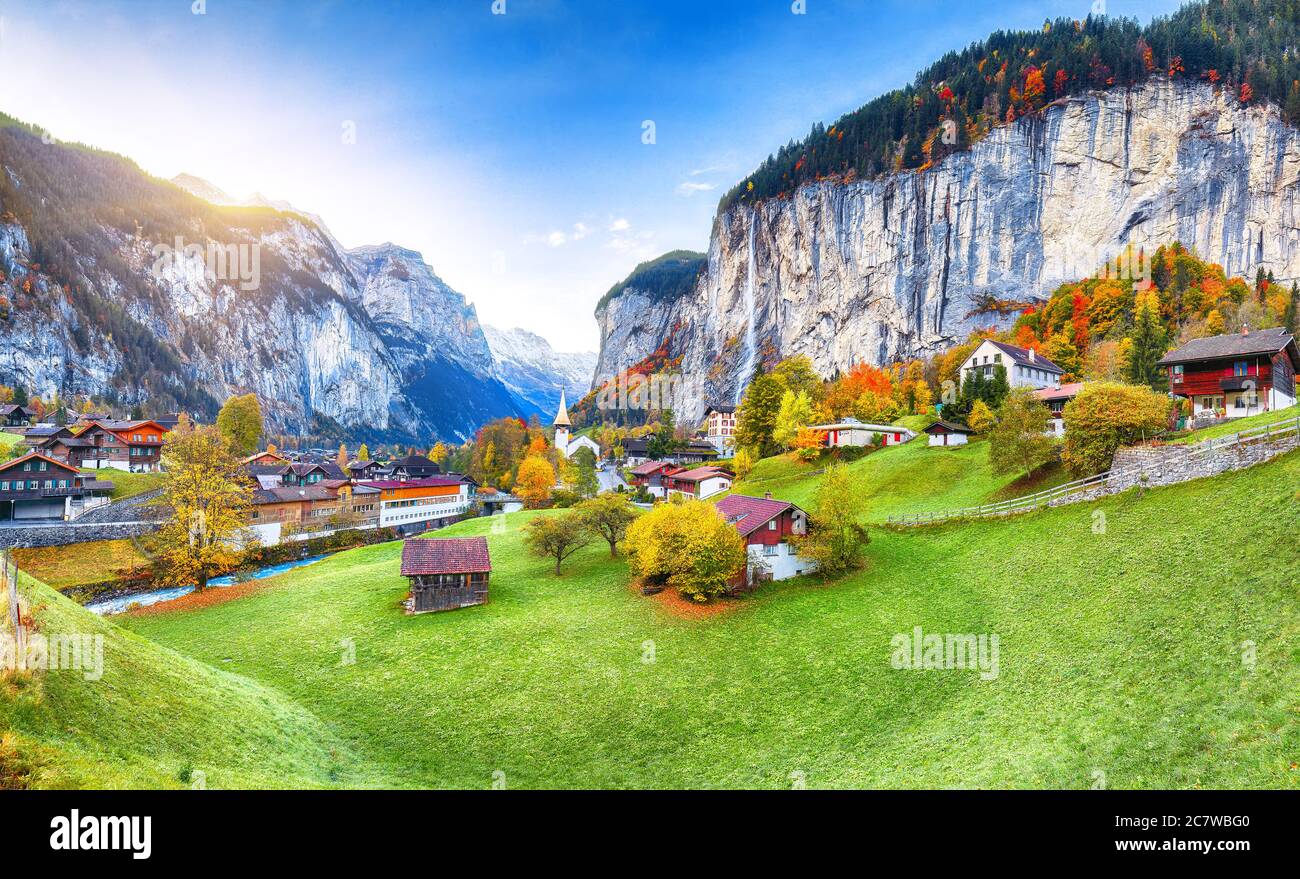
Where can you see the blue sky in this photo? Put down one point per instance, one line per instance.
(508, 149)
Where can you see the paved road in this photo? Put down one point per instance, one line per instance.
(610, 480)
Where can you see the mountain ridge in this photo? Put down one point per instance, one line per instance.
(99, 301)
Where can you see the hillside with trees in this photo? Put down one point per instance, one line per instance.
(1242, 46)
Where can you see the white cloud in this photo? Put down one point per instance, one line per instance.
(555, 239)
(580, 231)
(620, 225)
(687, 189)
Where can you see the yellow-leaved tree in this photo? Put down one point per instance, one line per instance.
(535, 480)
(687, 546)
(210, 503)
(240, 422)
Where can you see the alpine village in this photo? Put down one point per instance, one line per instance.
(1104, 471)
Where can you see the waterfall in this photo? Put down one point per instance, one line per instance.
(747, 368)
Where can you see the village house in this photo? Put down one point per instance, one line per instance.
(1235, 375)
(720, 427)
(948, 433)
(13, 415)
(264, 459)
(416, 504)
(371, 469)
(310, 473)
(1025, 367)
(566, 446)
(698, 483)
(694, 452)
(650, 476)
(767, 526)
(36, 486)
(1055, 399)
(413, 467)
(134, 446)
(852, 432)
(446, 574)
(636, 450)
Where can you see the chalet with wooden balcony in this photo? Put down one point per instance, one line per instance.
(38, 487)
(134, 446)
(13, 415)
(1235, 375)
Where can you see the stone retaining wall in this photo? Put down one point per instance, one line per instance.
(68, 532)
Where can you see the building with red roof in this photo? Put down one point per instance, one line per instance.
(767, 525)
(446, 574)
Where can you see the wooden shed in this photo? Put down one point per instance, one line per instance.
(446, 574)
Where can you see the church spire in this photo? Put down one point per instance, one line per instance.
(562, 417)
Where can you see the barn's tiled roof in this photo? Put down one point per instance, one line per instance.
(448, 555)
(949, 425)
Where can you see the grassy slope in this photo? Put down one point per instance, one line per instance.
(1120, 652)
(79, 563)
(8, 443)
(910, 478)
(156, 713)
(128, 484)
(1291, 413)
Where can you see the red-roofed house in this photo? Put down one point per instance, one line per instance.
(37, 486)
(650, 476)
(446, 574)
(1056, 398)
(766, 525)
(699, 483)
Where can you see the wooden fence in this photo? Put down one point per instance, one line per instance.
(1061, 494)
(9, 573)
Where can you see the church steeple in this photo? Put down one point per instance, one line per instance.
(562, 427)
(562, 417)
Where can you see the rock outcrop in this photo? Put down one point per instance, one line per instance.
(877, 270)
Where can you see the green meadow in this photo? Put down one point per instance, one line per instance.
(1148, 641)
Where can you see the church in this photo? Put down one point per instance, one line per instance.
(569, 447)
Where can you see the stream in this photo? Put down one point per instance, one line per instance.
(107, 606)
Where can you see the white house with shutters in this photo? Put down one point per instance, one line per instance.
(1025, 367)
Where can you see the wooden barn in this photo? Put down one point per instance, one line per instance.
(446, 574)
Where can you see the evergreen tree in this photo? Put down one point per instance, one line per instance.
(997, 388)
(756, 417)
(20, 395)
(1148, 339)
(1289, 315)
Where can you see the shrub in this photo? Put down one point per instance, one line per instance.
(557, 537)
(1106, 416)
(688, 546)
(835, 541)
(1019, 440)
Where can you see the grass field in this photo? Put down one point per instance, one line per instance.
(126, 484)
(1291, 413)
(911, 478)
(1120, 652)
(9, 444)
(80, 563)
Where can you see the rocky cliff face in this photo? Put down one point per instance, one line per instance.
(535, 372)
(905, 265)
(97, 299)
